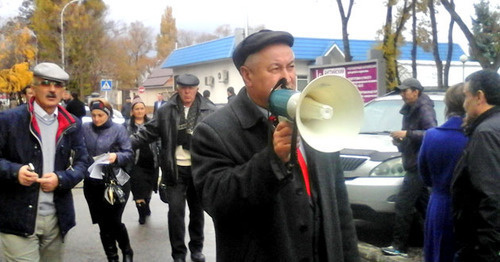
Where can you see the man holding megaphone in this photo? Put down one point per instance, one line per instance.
(263, 208)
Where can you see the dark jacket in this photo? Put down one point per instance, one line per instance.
(260, 212)
(132, 128)
(110, 137)
(475, 191)
(155, 108)
(20, 144)
(76, 107)
(126, 108)
(164, 126)
(416, 119)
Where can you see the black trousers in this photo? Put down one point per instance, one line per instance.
(413, 197)
(177, 196)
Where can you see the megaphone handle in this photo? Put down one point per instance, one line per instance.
(293, 151)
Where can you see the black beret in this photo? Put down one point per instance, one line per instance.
(187, 80)
(256, 42)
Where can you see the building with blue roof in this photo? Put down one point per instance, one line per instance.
(212, 61)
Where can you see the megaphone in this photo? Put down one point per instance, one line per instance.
(328, 113)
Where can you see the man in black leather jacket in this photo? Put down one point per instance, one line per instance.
(173, 124)
(476, 180)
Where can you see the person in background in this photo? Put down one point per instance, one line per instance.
(230, 94)
(440, 151)
(144, 174)
(27, 93)
(36, 204)
(206, 95)
(102, 136)
(75, 106)
(263, 209)
(174, 123)
(126, 107)
(66, 97)
(418, 116)
(476, 180)
(158, 103)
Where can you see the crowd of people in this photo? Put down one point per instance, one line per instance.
(271, 196)
(459, 162)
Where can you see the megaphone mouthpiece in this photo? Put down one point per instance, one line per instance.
(311, 109)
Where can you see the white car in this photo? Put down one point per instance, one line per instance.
(372, 165)
(117, 116)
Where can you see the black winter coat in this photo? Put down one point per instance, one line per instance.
(476, 191)
(260, 212)
(416, 119)
(164, 127)
(76, 107)
(19, 145)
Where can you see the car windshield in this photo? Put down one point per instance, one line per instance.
(383, 115)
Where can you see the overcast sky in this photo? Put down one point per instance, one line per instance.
(304, 18)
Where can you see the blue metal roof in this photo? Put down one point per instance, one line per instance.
(310, 48)
(201, 53)
(304, 49)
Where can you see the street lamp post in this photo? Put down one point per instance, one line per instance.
(463, 59)
(62, 27)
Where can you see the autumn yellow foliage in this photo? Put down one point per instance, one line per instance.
(16, 78)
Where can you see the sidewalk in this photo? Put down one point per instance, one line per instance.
(372, 253)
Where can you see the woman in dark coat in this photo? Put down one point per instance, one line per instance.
(103, 136)
(144, 174)
(441, 149)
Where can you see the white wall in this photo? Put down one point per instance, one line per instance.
(218, 93)
(426, 72)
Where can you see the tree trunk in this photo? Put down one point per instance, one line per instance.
(389, 72)
(414, 41)
(345, 35)
(446, 71)
(474, 49)
(435, 48)
(398, 33)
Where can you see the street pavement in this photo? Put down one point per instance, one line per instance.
(150, 241)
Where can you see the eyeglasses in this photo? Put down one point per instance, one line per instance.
(47, 83)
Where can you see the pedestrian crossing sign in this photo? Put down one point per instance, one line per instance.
(106, 85)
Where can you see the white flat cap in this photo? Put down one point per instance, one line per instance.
(50, 71)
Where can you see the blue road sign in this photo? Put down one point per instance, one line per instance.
(106, 85)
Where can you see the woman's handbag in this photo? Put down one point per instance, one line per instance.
(162, 190)
(113, 193)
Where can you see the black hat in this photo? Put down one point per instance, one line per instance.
(409, 83)
(257, 41)
(50, 71)
(187, 80)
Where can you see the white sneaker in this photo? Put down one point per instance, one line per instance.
(391, 251)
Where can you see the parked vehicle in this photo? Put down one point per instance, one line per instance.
(372, 164)
(117, 116)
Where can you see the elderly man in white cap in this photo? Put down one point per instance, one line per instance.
(36, 174)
